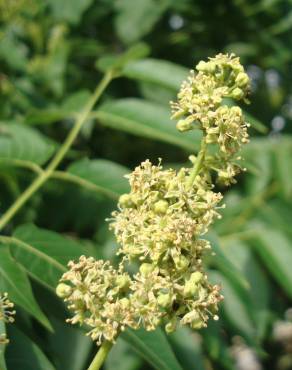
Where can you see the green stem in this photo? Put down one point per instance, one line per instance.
(45, 175)
(100, 356)
(198, 164)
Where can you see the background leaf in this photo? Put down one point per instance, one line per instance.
(122, 357)
(159, 72)
(134, 20)
(275, 251)
(107, 176)
(22, 353)
(69, 10)
(14, 281)
(72, 340)
(145, 119)
(22, 142)
(188, 348)
(154, 347)
(43, 253)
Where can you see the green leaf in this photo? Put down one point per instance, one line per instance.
(76, 101)
(158, 72)
(154, 347)
(283, 25)
(122, 357)
(187, 346)
(274, 248)
(240, 254)
(215, 342)
(13, 52)
(21, 142)
(69, 10)
(283, 167)
(257, 155)
(255, 123)
(14, 281)
(136, 19)
(276, 214)
(69, 339)
(225, 265)
(72, 105)
(44, 254)
(142, 118)
(47, 116)
(119, 61)
(155, 93)
(106, 176)
(235, 307)
(23, 353)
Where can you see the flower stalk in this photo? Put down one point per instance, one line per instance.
(198, 164)
(101, 356)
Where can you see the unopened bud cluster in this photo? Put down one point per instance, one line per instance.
(6, 314)
(201, 105)
(160, 224)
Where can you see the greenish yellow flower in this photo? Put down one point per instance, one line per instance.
(6, 314)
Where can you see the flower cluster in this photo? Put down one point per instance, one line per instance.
(160, 224)
(6, 314)
(96, 293)
(201, 106)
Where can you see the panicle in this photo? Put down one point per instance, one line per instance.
(201, 104)
(160, 224)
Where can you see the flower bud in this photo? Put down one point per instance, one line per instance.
(193, 318)
(236, 111)
(136, 200)
(181, 262)
(184, 125)
(201, 66)
(123, 281)
(171, 325)
(237, 93)
(63, 290)
(178, 114)
(146, 269)
(164, 300)
(208, 67)
(196, 277)
(190, 289)
(125, 201)
(242, 79)
(125, 302)
(161, 207)
(197, 324)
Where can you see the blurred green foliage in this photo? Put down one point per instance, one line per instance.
(52, 55)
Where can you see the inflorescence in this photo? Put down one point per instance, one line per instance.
(6, 314)
(160, 224)
(203, 104)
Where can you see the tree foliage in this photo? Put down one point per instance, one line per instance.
(52, 55)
